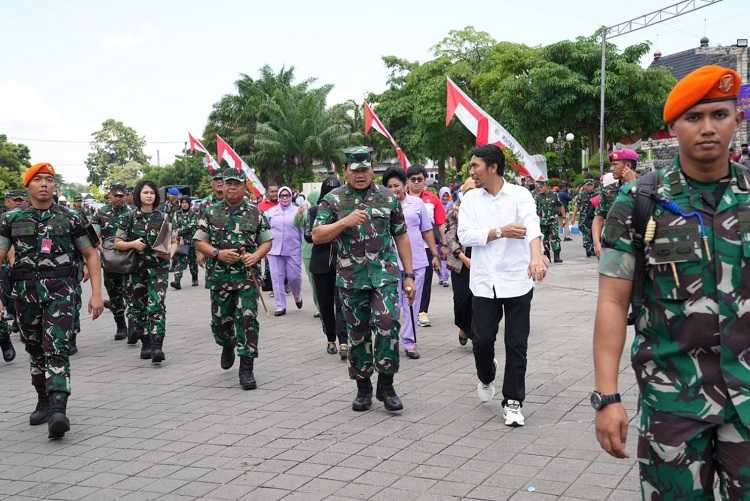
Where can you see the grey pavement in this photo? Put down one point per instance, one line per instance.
(186, 430)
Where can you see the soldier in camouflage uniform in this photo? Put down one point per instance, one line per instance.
(366, 220)
(216, 196)
(691, 344)
(623, 163)
(185, 222)
(81, 276)
(236, 235)
(549, 209)
(45, 238)
(585, 215)
(13, 200)
(148, 284)
(106, 221)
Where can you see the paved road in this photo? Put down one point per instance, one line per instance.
(186, 430)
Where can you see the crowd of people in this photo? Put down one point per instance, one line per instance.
(674, 261)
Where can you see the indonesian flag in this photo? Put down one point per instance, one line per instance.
(373, 122)
(226, 153)
(488, 130)
(210, 162)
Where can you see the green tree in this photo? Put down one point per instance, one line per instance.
(114, 144)
(128, 173)
(14, 159)
(186, 170)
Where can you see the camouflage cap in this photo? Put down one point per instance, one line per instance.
(78, 198)
(117, 188)
(358, 157)
(230, 173)
(589, 181)
(15, 195)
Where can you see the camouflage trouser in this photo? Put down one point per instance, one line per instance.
(588, 240)
(77, 311)
(371, 317)
(234, 317)
(551, 237)
(679, 457)
(45, 315)
(149, 289)
(116, 285)
(181, 261)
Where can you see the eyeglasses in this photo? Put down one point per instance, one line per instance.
(285, 195)
(119, 195)
(416, 179)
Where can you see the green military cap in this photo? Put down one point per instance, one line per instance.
(232, 173)
(78, 198)
(589, 181)
(218, 175)
(15, 195)
(541, 182)
(358, 157)
(117, 188)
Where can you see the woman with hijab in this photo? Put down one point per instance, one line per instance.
(459, 262)
(285, 258)
(323, 270)
(148, 284)
(419, 229)
(446, 200)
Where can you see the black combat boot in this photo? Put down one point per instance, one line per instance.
(73, 346)
(363, 400)
(387, 394)
(176, 284)
(247, 379)
(40, 413)
(157, 356)
(9, 353)
(58, 422)
(195, 281)
(227, 357)
(122, 328)
(133, 334)
(558, 259)
(145, 346)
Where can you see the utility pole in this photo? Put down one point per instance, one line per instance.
(638, 23)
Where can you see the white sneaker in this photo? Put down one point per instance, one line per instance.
(423, 320)
(485, 392)
(512, 413)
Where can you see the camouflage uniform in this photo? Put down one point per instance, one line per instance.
(5, 343)
(106, 221)
(148, 284)
(585, 219)
(607, 196)
(234, 296)
(79, 291)
(44, 285)
(184, 224)
(204, 205)
(691, 344)
(367, 275)
(548, 208)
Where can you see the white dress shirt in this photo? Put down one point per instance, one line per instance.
(499, 268)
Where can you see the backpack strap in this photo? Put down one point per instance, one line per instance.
(645, 202)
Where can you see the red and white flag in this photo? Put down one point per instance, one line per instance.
(488, 130)
(210, 162)
(226, 153)
(373, 122)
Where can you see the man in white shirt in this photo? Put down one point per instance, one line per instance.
(500, 224)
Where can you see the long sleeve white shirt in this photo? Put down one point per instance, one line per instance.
(499, 268)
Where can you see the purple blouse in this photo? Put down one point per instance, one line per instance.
(417, 220)
(287, 237)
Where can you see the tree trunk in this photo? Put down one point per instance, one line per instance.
(441, 172)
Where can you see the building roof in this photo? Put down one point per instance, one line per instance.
(682, 63)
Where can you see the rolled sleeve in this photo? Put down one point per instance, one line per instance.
(201, 236)
(617, 264)
(4, 243)
(82, 243)
(469, 234)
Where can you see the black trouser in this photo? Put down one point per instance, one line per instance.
(330, 307)
(424, 306)
(487, 314)
(462, 300)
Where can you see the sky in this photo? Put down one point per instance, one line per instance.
(159, 66)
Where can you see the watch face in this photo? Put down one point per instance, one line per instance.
(596, 400)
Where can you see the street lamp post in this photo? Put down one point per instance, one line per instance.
(559, 145)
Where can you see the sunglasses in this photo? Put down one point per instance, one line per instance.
(416, 179)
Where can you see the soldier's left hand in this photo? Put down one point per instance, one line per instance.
(249, 259)
(409, 289)
(96, 307)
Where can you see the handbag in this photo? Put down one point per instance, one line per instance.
(163, 242)
(116, 261)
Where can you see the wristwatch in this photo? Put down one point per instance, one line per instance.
(599, 401)
(410, 275)
(215, 253)
(498, 233)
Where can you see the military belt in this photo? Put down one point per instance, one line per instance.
(61, 272)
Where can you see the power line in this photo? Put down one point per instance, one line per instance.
(72, 141)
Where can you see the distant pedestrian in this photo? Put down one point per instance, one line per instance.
(285, 257)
